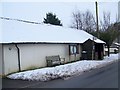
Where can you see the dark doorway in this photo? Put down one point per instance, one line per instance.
(99, 51)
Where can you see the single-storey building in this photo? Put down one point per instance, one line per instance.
(25, 45)
(91, 49)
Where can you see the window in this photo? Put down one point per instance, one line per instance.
(73, 49)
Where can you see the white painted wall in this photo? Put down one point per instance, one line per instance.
(1, 60)
(119, 11)
(10, 59)
(33, 55)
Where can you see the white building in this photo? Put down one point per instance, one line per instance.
(119, 11)
(25, 45)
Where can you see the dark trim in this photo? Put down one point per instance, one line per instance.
(18, 51)
(38, 43)
(77, 49)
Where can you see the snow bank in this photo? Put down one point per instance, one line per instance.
(63, 71)
(112, 57)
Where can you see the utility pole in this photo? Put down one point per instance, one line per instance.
(96, 4)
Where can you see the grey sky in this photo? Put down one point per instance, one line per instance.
(36, 11)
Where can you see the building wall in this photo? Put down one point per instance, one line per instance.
(89, 54)
(119, 11)
(33, 55)
(10, 59)
(87, 50)
(1, 64)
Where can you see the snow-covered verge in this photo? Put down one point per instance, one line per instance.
(62, 71)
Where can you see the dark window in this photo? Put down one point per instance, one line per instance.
(74, 49)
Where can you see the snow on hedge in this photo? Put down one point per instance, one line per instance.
(63, 71)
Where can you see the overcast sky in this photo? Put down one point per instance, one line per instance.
(36, 11)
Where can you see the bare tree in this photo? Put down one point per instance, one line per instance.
(84, 21)
(77, 20)
(105, 23)
(109, 31)
(89, 22)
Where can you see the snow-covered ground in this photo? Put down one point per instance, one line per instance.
(63, 71)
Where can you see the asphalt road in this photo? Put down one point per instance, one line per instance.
(105, 77)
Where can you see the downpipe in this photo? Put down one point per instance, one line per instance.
(18, 52)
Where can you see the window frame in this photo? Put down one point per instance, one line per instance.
(73, 49)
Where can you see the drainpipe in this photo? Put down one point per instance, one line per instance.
(18, 51)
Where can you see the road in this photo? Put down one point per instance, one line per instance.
(105, 77)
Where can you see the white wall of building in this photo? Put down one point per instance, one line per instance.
(10, 59)
(119, 11)
(1, 59)
(1, 64)
(33, 55)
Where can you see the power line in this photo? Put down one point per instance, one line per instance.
(20, 20)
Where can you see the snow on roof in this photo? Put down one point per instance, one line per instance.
(13, 31)
(117, 44)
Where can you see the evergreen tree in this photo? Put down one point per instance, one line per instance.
(52, 19)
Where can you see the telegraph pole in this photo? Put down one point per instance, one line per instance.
(97, 26)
